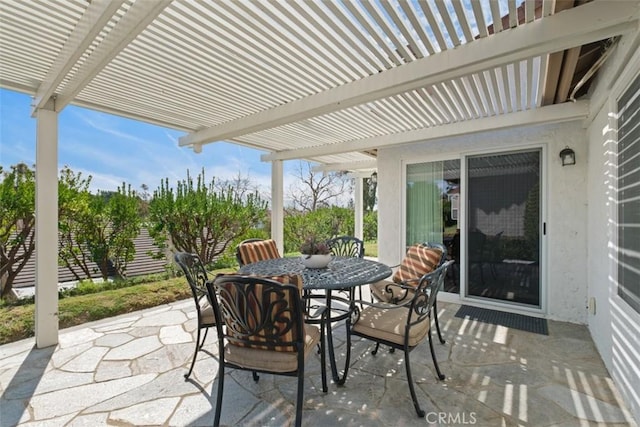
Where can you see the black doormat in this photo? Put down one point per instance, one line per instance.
(509, 320)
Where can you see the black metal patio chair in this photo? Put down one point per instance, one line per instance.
(419, 260)
(404, 326)
(196, 276)
(265, 330)
(347, 246)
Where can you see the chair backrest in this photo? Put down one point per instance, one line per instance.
(439, 246)
(426, 293)
(195, 273)
(419, 260)
(253, 250)
(259, 312)
(346, 246)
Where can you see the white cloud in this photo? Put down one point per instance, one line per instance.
(106, 124)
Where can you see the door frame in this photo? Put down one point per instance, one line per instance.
(462, 297)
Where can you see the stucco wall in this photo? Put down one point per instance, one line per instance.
(614, 326)
(566, 201)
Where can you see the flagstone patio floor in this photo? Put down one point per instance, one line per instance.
(128, 371)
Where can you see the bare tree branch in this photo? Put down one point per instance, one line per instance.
(317, 190)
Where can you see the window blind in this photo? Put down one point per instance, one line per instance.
(629, 195)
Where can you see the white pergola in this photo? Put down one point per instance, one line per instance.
(327, 81)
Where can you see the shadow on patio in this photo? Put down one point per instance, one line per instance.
(129, 371)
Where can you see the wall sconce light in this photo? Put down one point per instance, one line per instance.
(374, 178)
(567, 156)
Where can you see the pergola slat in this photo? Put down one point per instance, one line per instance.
(496, 16)
(462, 20)
(448, 23)
(433, 24)
(359, 31)
(480, 19)
(300, 55)
(400, 23)
(476, 97)
(390, 33)
(346, 38)
(412, 15)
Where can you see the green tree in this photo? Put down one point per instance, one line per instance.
(96, 231)
(74, 218)
(17, 223)
(121, 228)
(143, 201)
(370, 226)
(201, 217)
(321, 223)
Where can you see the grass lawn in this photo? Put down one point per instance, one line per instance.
(17, 321)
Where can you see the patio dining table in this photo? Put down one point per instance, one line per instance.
(342, 273)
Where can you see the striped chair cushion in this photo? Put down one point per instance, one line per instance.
(289, 279)
(280, 320)
(258, 251)
(418, 261)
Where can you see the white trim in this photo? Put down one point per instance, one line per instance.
(544, 115)
(361, 167)
(277, 204)
(545, 278)
(358, 207)
(403, 207)
(462, 223)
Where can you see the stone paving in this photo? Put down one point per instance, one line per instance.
(128, 371)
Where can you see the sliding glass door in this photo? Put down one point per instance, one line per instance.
(503, 227)
(496, 251)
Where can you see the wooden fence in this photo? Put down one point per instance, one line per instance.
(141, 265)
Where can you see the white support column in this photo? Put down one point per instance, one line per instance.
(277, 204)
(359, 207)
(46, 310)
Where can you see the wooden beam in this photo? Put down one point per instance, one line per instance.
(555, 33)
(554, 62)
(554, 65)
(552, 114)
(569, 64)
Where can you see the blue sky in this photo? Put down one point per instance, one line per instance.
(113, 149)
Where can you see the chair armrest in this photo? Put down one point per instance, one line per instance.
(315, 314)
(383, 305)
(407, 284)
(400, 291)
